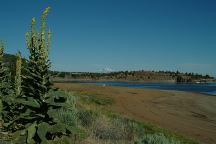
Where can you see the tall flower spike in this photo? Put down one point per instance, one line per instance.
(48, 40)
(33, 27)
(2, 48)
(27, 39)
(18, 80)
(43, 25)
(32, 38)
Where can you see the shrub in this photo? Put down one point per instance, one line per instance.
(157, 138)
(86, 118)
(102, 128)
(68, 117)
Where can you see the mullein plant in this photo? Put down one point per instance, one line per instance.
(18, 80)
(11, 108)
(2, 79)
(8, 107)
(36, 122)
(5, 79)
(5, 89)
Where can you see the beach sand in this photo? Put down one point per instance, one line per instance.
(190, 114)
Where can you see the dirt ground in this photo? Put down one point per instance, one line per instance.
(190, 114)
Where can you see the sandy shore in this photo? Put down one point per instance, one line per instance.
(190, 114)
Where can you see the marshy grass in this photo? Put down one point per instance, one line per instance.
(104, 127)
(94, 98)
(157, 138)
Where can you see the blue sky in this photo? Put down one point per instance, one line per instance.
(91, 35)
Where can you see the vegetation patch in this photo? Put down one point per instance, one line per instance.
(98, 101)
(157, 138)
(94, 98)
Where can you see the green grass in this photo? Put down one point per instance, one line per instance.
(114, 126)
(99, 101)
(94, 98)
(157, 138)
(143, 128)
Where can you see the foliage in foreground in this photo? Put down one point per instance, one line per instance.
(28, 107)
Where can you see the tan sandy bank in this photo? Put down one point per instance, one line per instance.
(190, 114)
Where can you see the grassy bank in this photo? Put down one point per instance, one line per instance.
(131, 131)
(189, 114)
(104, 126)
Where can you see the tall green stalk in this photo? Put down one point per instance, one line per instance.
(37, 79)
(18, 79)
(5, 88)
(5, 80)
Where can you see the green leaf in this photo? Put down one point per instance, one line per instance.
(62, 140)
(19, 140)
(58, 128)
(1, 109)
(31, 133)
(42, 131)
(29, 102)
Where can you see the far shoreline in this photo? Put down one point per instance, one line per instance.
(208, 93)
(128, 81)
(108, 80)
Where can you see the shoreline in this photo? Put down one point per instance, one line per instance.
(190, 114)
(127, 81)
(104, 80)
(140, 82)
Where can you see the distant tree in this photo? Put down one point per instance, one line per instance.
(180, 79)
(207, 76)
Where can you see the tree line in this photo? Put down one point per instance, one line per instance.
(134, 75)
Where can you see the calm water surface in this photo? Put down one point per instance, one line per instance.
(207, 88)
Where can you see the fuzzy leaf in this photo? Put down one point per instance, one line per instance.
(42, 130)
(30, 102)
(19, 137)
(62, 140)
(58, 128)
(1, 109)
(31, 132)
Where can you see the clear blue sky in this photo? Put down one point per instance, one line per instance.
(90, 35)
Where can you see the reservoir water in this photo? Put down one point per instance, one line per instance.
(205, 88)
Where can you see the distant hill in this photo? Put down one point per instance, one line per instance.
(148, 76)
(142, 76)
